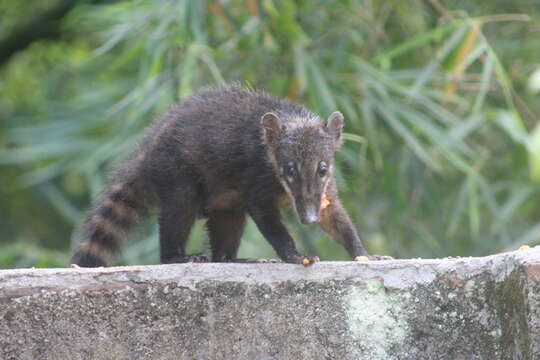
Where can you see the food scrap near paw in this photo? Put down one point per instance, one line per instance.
(524, 247)
(324, 201)
(305, 261)
(361, 258)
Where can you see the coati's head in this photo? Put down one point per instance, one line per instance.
(301, 150)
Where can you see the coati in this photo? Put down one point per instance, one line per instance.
(223, 153)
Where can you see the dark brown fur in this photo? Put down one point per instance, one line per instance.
(224, 153)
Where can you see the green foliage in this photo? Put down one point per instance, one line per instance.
(441, 154)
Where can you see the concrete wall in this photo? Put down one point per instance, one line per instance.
(466, 308)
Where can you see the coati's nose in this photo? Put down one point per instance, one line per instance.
(310, 219)
(311, 216)
(307, 213)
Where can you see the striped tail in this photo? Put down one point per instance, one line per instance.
(108, 223)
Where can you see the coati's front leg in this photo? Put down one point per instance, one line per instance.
(268, 220)
(178, 211)
(225, 230)
(336, 222)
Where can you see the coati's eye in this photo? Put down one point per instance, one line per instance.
(323, 169)
(289, 170)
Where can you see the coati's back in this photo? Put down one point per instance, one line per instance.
(219, 129)
(213, 139)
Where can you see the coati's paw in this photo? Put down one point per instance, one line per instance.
(310, 260)
(303, 260)
(181, 259)
(267, 261)
(372, 258)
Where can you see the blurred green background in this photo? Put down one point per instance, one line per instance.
(441, 100)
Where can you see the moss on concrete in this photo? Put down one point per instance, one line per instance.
(377, 318)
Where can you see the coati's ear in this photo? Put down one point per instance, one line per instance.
(272, 126)
(334, 124)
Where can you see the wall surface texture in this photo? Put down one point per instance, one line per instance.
(463, 308)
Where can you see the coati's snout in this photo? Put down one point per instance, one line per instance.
(308, 214)
(301, 152)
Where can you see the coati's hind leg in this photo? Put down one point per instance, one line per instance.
(225, 230)
(178, 211)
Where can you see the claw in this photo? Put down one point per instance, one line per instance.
(254, 261)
